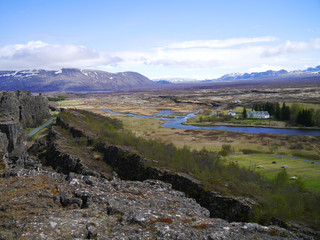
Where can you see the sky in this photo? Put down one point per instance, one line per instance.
(198, 39)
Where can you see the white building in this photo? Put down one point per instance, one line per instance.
(258, 114)
(231, 113)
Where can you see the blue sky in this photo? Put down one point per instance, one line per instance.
(194, 39)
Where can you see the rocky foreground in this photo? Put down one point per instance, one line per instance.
(48, 205)
(61, 196)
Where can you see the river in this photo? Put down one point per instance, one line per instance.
(176, 120)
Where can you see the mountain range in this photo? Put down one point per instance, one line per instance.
(72, 79)
(270, 74)
(77, 80)
(246, 76)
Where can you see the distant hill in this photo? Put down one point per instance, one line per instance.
(72, 79)
(270, 74)
(163, 82)
(267, 75)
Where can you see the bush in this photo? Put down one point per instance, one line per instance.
(57, 99)
(306, 155)
(250, 151)
(226, 150)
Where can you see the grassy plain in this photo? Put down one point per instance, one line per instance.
(309, 173)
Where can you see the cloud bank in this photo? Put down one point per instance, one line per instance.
(290, 47)
(225, 56)
(37, 54)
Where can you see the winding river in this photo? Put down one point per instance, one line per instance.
(176, 120)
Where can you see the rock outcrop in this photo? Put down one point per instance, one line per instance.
(17, 111)
(24, 108)
(134, 167)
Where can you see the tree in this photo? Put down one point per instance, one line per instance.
(270, 107)
(305, 117)
(294, 110)
(277, 111)
(285, 112)
(244, 113)
(316, 118)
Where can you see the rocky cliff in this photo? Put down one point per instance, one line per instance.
(19, 110)
(23, 107)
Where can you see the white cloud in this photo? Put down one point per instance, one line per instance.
(290, 47)
(220, 43)
(37, 54)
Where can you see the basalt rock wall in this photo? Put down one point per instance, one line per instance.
(19, 110)
(23, 107)
(50, 153)
(134, 167)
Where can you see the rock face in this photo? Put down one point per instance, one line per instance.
(72, 79)
(24, 108)
(14, 139)
(19, 110)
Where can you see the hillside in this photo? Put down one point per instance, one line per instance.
(71, 79)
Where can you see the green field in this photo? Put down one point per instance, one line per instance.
(70, 102)
(309, 173)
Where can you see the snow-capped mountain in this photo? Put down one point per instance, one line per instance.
(71, 79)
(270, 74)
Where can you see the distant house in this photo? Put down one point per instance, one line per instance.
(231, 113)
(237, 101)
(258, 114)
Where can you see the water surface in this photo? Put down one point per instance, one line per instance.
(176, 120)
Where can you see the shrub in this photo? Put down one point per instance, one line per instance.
(250, 151)
(307, 155)
(226, 150)
(57, 99)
